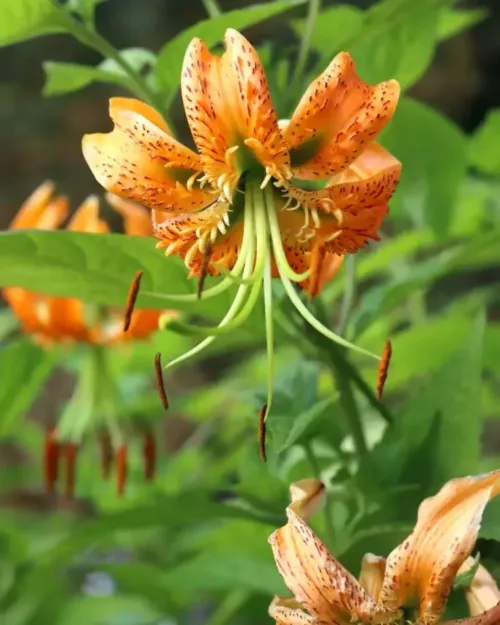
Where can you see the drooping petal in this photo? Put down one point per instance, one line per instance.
(338, 116)
(86, 218)
(289, 612)
(139, 160)
(137, 220)
(324, 267)
(490, 617)
(41, 210)
(317, 580)
(371, 576)
(483, 592)
(229, 110)
(423, 567)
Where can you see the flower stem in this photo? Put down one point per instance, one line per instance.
(212, 8)
(312, 16)
(350, 409)
(349, 294)
(88, 36)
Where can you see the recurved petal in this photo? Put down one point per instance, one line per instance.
(317, 580)
(372, 574)
(228, 104)
(490, 617)
(41, 210)
(338, 116)
(424, 566)
(306, 497)
(287, 611)
(140, 161)
(136, 219)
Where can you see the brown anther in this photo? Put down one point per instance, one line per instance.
(207, 254)
(121, 468)
(317, 259)
(70, 450)
(133, 292)
(149, 455)
(51, 460)
(262, 433)
(383, 368)
(106, 454)
(160, 384)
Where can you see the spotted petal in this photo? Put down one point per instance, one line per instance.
(230, 111)
(338, 116)
(139, 160)
(317, 580)
(490, 617)
(423, 567)
(289, 612)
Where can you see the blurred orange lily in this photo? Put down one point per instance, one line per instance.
(58, 319)
(216, 208)
(419, 573)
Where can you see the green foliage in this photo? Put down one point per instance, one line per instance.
(483, 150)
(27, 19)
(22, 366)
(435, 155)
(191, 546)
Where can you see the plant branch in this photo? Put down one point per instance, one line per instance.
(305, 43)
(349, 294)
(88, 36)
(212, 7)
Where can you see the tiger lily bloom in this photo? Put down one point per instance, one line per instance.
(57, 320)
(240, 204)
(418, 575)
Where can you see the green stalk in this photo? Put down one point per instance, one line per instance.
(88, 36)
(212, 8)
(305, 44)
(349, 294)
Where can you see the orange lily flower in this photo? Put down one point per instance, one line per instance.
(483, 592)
(217, 209)
(419, 572)
(58, 319)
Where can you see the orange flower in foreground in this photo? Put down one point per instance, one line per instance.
(418, 574)
(55, 319)
(240, 204)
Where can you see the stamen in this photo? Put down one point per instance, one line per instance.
(383, 368)
(106, 454)
(149, 455)
(225, 218)
(51, 460)
(121, 469)
(221, 227)
(133, 292)
(262, 432)
(207, 255)
(160, 384)
(71, 451)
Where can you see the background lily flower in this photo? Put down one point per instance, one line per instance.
(58, 319)
(418, 572)
(96, 401)
(236, 206)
